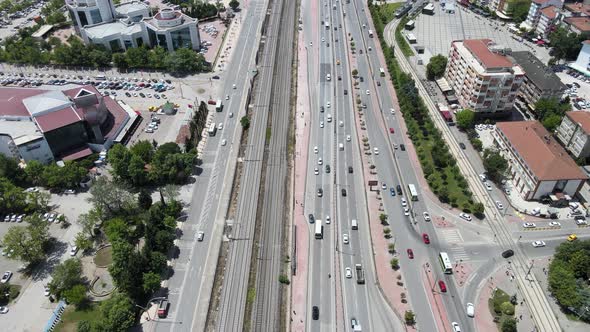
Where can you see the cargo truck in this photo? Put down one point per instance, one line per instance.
(360, 274)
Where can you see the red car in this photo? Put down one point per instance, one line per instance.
(425, 238)
(443, 287)
(391, 130)
(410, 254)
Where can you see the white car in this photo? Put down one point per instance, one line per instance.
(465, 216)
(315, 149)
(328, 104)
(6, 276)
(46, 291)
(376, 150)
(426, 216)
(200, 236)
(348, 272)
(470, 310)
(320, 161)
(3, 310)
(392, 111)
(404, 203)
(529, 225)
(555, 224)
(383, 186)
(341, 124)
(323, 40)
(74, 251)
(488, 186)
(456, 327)
(226, 97)
(220, 126)
(368, 92)
(482, 177)
(345, 238)
(321, 124)
(316, 171)
(223, 142)
(327, 219)
(70, 191)
(538, 244)
(580, 222)
(348, 138)
(406, 211)
(499, 205)
(234, 86)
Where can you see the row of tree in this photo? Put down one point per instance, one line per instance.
(144, 164)
(550, 111)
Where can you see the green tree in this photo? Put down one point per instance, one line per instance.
(495, 165)
(12, 198)
(565, 45)
(518, 9)
(383, 218)
(28, 243)
(436, 67)
(144, 199)
(110, 197)
(83, 242)
(157, 262)
(477, 144)
(157, 58)
(100, 56)
(10, 169)
(117, 229)
(138, 175)
(465, 119)
(84, 326)
(245, 122)
(552, 122)
(117, 314)
(185, 60)
(33, 171)
(137, 57)
(119, 157)
(120, 60)
(409, 317)
(126, 268)
(144, 150)
(478, 209)
(562, 284)
(76, 296)
(509, 325)
(151, 282)
(55, 18)
(65, 276)
(90, 221)
(234, 4)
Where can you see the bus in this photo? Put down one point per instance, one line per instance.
(445, 263)
(370, 33)
(382, 72)
(212, 130)
(218, 105)
(413, 192)
(410, 25)
(319, 230)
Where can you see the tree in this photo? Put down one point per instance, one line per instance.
(138, 175)
(76, 295)
(465, 119)
(65, 276)
(245, 122)
(144, 150)
(119, 157)
(566, 45)
(126, 268)
(55, 18)
(355, 72)
(90, 221)
(409, 317)
(120, 60)
(137, 57)
(518, 9)
(436, 67)
(117, 229)
(234, 4)
(495, 165)
(383, 218)
(157, 58)
(38, 201)
(144, 199)
(477, 144)
(83, 242)
(394, 262)
(84, 326)
(27, 243)
(478, 209)
(151, 282)
(109, 197)
(509, 325)
(117, 314)
(552, 122)
(185, 60)
(33, 171)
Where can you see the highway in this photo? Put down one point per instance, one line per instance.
(267, 306)
(190, 287)
(235, 280)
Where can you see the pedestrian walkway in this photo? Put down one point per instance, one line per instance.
(451, 236)
(458, 254)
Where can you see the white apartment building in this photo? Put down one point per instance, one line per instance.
(534, 14)
(548, 17)
(483, 77)
(500, 7)
(131, 24)
(574, 133)
(538, 165)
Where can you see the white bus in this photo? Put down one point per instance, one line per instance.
(382, 72)
(212, 129)
(218, 105)
(413, 192)
(370, 33)
(411, 38)
(445, 263)
(319, 230)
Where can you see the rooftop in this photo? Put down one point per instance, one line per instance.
(581, 117)
(130, 8)
(546, 158)
(542, 76)
(102, 30)
(550, 12)
(46, 102)
(480, 48)
(57, 119)
(578, 8)
(11, 100)
(581, 23)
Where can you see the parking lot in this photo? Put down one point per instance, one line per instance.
(10, 26)
(436, 32)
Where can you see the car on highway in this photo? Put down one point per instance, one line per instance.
(345, 92)
(223, 142)
(3, 310)
(465, 216)
(220, 126)
(392, 191)
(406, 211)
(555, 224)
(376, 150)
(348, 138)
(328, 104)
(233, 86)
(383, 186)
(368, 92)
(426, 216)
(402, 147)
(316, 171)
(226, 97)
(392, 111)
(442, 286)
(499, 205)
(6, 276)
(404, 203)
(350, 169)
(456, 327)
(348, 272)
(470, 310)
(572, 237)
(581, 222)
(320, 161)
(328, 219)
(410, 253)
(391, 131)
(321, 124)
(341, 124)
(315, 312)
(462, 146)
(538, 244)
(200, 236)
(508, 253)
(328, 168)
(311, 218)
(344, 192)
(488, 186)
(345, 238)
(529, 225)
(320, 192)
(321, 109)
(425, 238)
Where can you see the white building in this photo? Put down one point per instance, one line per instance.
(131, 25)
(534, 14)
(538, 165)
(582, 63)
(574, 133)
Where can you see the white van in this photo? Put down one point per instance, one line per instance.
(329, 117)
(341, 146)
(355, 224)
(328, 77)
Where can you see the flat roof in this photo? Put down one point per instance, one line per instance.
(20, 130)
(130, 7)
(44, 29)
(57, 119)
(546, 158)
(104, 30)
(46, 102)
(581, 117)
(550, 12)
(541, 75)
(578, 8)
(480, 48)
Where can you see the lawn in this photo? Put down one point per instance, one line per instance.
(104, 257)
(387, 11)
(495, 304)
(71, 317)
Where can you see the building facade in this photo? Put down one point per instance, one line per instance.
(548, 19)
(582, 63)
(483, 77)
(574, 133)
(132, 25)
(539, 82)
(538, 165)
(534, 14)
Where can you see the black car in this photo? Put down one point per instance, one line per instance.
(315, 312)
(215, 77)
(378, 83)
(311, 218)
(328, 168)
(350, 169)
(320, 192)
(508, 253)
(462, 146)
(141, 95)
(322, 109)
(402, 147)
(169, 81)
(579, 218)
(399, 189)
(361, 79)
(127, 94)
(344, 192)
(345, 92)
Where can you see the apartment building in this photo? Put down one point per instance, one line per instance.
(500, 7)
(538, 165)
(574, 133)
(539, 82)
(535, 9)
(483, 76)
(548, 18)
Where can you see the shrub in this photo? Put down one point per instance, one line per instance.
(283, 279)
(394, 262)
(507, 308)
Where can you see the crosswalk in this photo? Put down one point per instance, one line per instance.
(458, 254)
(451, 236)
(457, 251)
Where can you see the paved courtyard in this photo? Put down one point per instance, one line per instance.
(436, 32)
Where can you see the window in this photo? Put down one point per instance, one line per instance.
(181, 38)
(83, 19)
(73, 17)
(115, 45)
(95, 15)
(162, 41)
(128, 44)
(139, 41)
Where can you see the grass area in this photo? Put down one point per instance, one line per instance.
(104, 257)
(401, 40)
(387, 11)
(71, 317)
(268, 134)
(251, 296)
(439, 166)
(500, 307)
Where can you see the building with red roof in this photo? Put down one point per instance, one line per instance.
(574, 133)
(483, 77)
(538, 165)
(47, 125)
(536, 12)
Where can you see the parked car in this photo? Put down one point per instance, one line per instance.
(465, 216)
(529, 225)
(538, 244)
(6, 276)
(508, 253)
(200, 236)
